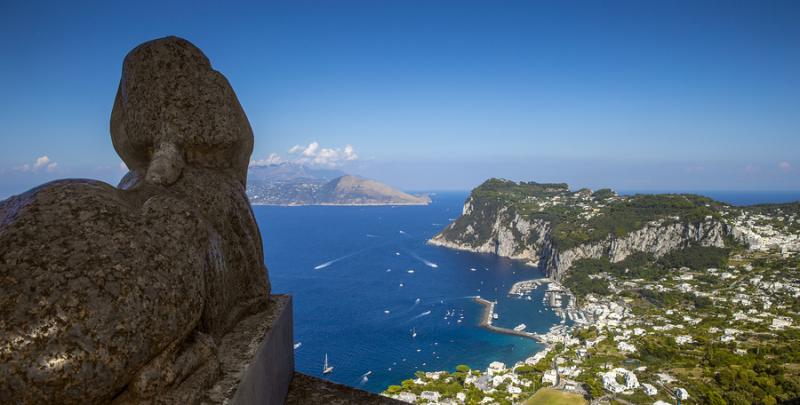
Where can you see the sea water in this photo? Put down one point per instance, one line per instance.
(347, 266)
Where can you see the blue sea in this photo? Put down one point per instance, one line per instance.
(346, 266)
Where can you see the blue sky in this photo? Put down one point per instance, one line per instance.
(435, 94)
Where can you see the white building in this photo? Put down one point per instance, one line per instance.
(430, 396)
(409, 397)
(649, 389)
(631, 381)
(433, 375)
(550, 376)
(626, 347)
(683, 339)
(513, 390)
(781, 322)
(681, 394)
(461, 397)
(610, 382)
(498, 379)
(496, 367)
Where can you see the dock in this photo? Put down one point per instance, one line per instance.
(521, 287)
(486, 322)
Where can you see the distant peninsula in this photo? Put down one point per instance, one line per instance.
(296, 184)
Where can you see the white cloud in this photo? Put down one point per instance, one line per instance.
(310, 150)
(272, 159)
(312, 154)
(42, 162)
(785, 166)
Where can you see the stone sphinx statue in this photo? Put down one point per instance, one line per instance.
(118, 295)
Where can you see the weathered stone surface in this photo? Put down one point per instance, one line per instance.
(257, 358)
(121, 293)
(173, 109)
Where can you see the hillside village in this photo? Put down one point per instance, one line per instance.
(703, 324)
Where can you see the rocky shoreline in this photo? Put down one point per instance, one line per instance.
(656, 238)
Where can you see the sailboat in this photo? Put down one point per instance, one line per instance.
(326, 369)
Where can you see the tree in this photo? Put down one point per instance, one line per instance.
(594, 387)
(713, 397)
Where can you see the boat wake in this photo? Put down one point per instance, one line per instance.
(328, 263)
(373, 246)
(426, 313)
(426, 262)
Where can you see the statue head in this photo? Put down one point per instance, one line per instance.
(173, 109)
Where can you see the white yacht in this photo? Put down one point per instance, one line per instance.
(520, 327)
(326, 369)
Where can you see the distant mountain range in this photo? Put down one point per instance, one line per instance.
(297, 184)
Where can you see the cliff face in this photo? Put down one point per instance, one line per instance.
(655, 239)
(501, 225)
(509, 234)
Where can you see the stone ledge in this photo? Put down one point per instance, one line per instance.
(306, 389)
(257, 358)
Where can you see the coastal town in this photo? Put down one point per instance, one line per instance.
(701, 324)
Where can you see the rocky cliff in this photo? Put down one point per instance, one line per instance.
(551, 227)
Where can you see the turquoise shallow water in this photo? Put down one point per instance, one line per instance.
(344, 267)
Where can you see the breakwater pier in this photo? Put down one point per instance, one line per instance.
(486, 322)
